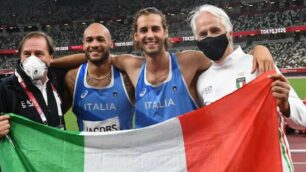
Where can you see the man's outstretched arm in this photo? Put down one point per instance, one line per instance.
(68, 62)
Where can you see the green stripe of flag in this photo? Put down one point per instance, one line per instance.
(35, 154)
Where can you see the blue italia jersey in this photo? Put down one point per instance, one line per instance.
(102, 109)
(158, 103)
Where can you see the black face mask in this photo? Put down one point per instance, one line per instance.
(213, 47)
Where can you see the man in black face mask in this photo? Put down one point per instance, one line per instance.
(214, 47)
(231, 70)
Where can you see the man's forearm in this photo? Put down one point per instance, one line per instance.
(70, 61)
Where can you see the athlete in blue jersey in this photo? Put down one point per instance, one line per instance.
(151, 37)
(102, 108)
(156, 103)
(166, 83)
(101, 94)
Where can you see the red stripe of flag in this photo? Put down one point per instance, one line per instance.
(238, 133)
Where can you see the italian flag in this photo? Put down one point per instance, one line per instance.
(230, 135)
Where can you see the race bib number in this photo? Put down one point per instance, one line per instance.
(111, 124)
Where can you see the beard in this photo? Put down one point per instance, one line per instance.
(102, 59)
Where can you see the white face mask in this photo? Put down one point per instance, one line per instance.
(34, 67)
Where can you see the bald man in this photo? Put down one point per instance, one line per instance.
(102, 95)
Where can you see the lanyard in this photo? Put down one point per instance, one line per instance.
(37, 106)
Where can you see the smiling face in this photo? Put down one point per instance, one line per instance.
(97, 43)
(150, 34)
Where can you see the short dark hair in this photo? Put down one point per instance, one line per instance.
(147, 11)
(36, 34)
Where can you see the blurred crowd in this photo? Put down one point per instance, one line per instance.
(65, 21)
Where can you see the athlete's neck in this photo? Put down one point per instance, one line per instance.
(99, 70)
(158, 63)
(157, 69)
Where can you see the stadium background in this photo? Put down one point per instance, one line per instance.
(279, 25)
